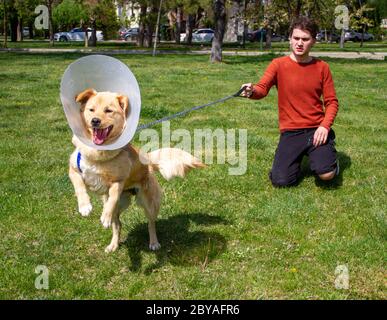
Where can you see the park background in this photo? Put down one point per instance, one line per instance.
(222, 236)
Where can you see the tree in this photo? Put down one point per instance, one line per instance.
(179, 20)
(147, 23)
(157, 27)
(50, 4)
(219, 8)
(68, 14)
(192, 8)
(88, 13)
(5, 24)
(105, 19)
(360, 20)
(142, 23)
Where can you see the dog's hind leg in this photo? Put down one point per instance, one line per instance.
(149, 197)
(84, 205)
(124, 202)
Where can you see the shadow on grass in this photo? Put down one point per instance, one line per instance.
(183, 242)
(344, 163)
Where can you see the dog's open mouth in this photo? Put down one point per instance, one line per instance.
(100, 135)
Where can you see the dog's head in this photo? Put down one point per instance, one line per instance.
(104, 114)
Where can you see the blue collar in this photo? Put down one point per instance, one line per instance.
(79, 162)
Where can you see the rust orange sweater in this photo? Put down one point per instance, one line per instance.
(300, 87)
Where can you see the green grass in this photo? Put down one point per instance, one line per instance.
(222, 236)
(372, 46)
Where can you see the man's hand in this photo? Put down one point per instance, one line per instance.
(248, 90)
(320, 136)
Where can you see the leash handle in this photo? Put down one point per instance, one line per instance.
(238, 94)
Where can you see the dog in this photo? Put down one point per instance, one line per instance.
(116, 175)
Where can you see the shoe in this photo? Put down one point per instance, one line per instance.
(337, 168)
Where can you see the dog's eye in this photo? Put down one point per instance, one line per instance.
(91, 110)
(108, 111)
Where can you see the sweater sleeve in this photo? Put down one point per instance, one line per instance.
(331, 103)
(269, 78)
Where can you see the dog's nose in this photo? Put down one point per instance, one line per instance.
(95, 122)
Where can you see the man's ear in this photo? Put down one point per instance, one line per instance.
(85, 95)
(124, 104)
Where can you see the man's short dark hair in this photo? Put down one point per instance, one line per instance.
(305, 24)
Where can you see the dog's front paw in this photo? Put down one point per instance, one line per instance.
(111, 247)
(106, 220)
(154, 246)
(85, 210)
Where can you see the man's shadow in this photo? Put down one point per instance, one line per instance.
(183, 241)
(344, 163)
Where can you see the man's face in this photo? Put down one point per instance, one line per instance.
(301, 42)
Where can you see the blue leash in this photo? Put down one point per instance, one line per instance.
(182, 113)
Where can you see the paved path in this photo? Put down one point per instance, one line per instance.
(344, 55)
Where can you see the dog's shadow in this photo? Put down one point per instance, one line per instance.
(183, 241)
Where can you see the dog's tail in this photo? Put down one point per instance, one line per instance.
(173, 162)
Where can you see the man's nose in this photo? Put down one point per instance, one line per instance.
(95, 122)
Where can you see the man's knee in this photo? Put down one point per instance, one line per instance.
(327, 176)
(281, 181)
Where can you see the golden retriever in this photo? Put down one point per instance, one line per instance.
(117, 174)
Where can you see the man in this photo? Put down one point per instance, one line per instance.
(304, 119)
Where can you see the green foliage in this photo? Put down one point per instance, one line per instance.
(69, 14)
(107, 19)
(360, 18)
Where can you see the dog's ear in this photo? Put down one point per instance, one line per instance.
(85, 95)
(124, 104)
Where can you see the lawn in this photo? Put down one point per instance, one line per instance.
(222, 236)
(370, 46)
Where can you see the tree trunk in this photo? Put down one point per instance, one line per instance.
(179, 16)
(86, 36)
(362, 36)
(189, 28)
(290, 10)
(219, 8)
(245, 26)
(268, 38)
(5, 25)
(342, 39)
(141, 32)
(50, 26)
(298, 8)
(157, 28)
(19, 30)
(150, 26)
(93, 38)
(199, 18)
(13, 20)
(31, 30)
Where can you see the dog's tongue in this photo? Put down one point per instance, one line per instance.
(99, 135)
